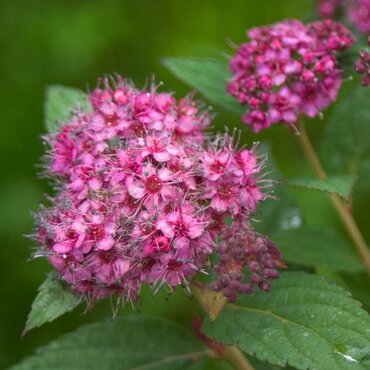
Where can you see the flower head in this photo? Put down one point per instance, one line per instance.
(357, 12)
(141, 193)
(287, 69)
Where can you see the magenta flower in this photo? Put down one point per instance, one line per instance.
(357, 12)
(288, 69)
(141, 193)
(328, 8)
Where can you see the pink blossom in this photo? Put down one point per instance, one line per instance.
(284, 106)
(328, 8)
(288, 69)
(154, 186)
(357, 12)
(215, 165)
(141, 193)
(224, 196)
(359, 15)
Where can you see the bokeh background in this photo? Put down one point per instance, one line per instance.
(72, 42)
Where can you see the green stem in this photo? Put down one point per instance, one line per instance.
(235, 356)
(342, 211)
(231, 353)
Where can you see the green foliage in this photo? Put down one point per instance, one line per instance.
(340, 185)
(304, 321)
(53, 300)
(318, 248)
(59, 42)
(358, 284)
(140, 342)
(346, 146)
(216, 364)
(278, 212)
(208, 76)
(60, 100)
(262, 365)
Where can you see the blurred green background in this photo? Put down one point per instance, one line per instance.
(72, 42)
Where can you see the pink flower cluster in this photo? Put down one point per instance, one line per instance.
(288, 69)
(356, 11)
(142, 193)
(328, 8)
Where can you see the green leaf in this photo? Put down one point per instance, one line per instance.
(60, 101)
(358, 284)
(261, 365)
(52, 301)
(304, 321)
(340, 185)
(131, 342)
(316, 247)
(208, 76)
(346, 146)
(279, 212)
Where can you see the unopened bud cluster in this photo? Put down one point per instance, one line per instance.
(362, 65)
(240, 251)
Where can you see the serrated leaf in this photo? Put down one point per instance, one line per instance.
(304, 321)
(340, 185)
(279, 212)
(262, 365)
(346, 145)
(131, 342)
(208, 76)
(59, 103)
(318, 248)
(358, 284)
(53, 300)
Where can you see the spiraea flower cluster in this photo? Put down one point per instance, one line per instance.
(286, 70)
(329, 8)
(362, 65)
(142, 194)
(357, 12)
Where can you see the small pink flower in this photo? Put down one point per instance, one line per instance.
(284, 106)
(247, 161)
(172, 270)
(154, 186)
(224, 196)
(181, 227)
(64, 152)
(158, 244)
(214, 165)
